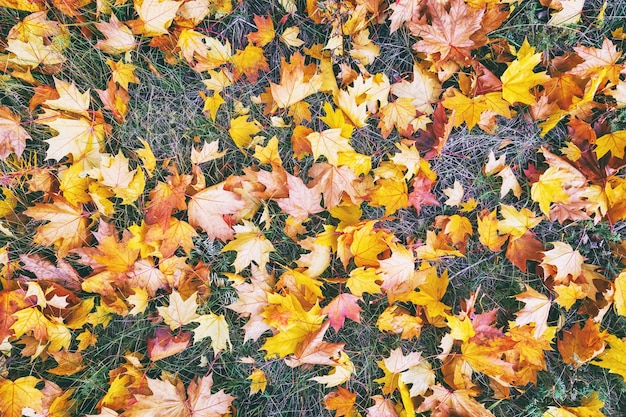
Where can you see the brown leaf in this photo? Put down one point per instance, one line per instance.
(580, 344)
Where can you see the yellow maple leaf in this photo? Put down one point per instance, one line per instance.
(362, 280)
(613, 358)
(290, 37)
(365, 246)
(519, 77)
(123, 74)
(34, 52)
(339, 374)
(399, 114)
(209, 152)
(241, 131)
(515, 222)
(213, 326)
(329, 143)
(70, 98)
(79, 137)
(355, 111)
(391, 193)
(431, 292)
(613, 142)
(566, 260)
(536, 310)
(211, 104)
(619, 296)
(295, 324)
(68, 363)
(249, 62)
(295, 84)
(488, 232)
(259, 381)
(17, 395)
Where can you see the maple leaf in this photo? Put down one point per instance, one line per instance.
(366, 245)
(265, 33)
(213, 326)
(613, 358)
(340, 373)
(454, 194)
(294, 323)
(450, 31)
(569, 14)
(472, 110)
(536, 310)
(290, 37)
(620, 294)
(423, 89)
(119, 38)
(209, 209)
(342, 402)
(17, 395)
(250, 61)
(519, 77)
(241, 131)
(179, 312)
(403, 11)
(488, 232)
(391, 193)
(155, 16)
(251, 245)
(363, 280)
(302, 200)
(382, 407)
(334, 183)
(313, 350)
(594, 60)
(523, 249)
(565, 259)
(168, 399)
(123, 73)
(164, 344)
(580, 344)
(517, 223)
(115, 100)
(259, 381)
(68, 363)
(342, 306)
(34, 52)
(431, 292)
(79, 137)
(613, 142)
(296, 83)
(459, 402)
(329, 143)
(12, 135)
(67, 227)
